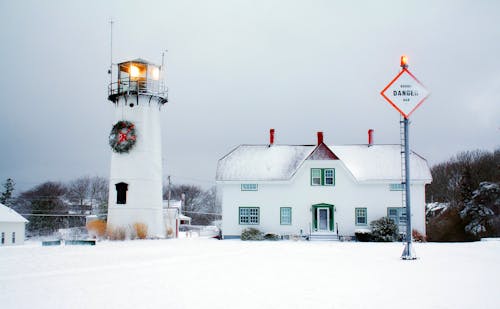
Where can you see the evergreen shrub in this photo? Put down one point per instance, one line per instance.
(363, 236)
(251, 234)
(384, 230)
(271, 236)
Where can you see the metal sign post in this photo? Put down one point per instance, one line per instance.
(405, 93)
(408, 252)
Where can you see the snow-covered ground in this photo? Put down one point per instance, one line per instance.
(206, 273)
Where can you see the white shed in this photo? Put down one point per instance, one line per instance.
(12, 227)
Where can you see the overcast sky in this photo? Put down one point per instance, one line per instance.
(235, 69)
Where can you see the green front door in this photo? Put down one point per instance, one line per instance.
(322, 217)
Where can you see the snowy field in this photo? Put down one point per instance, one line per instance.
(206, 273)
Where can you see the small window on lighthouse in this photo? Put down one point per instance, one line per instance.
(121, 193)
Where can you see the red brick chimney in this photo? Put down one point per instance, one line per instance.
(320, 138)
(271, 137)
(370, 137)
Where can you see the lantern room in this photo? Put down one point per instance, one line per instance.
(138, 77)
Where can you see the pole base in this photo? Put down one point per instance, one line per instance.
(408, 252)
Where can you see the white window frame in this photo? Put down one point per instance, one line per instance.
(313, 177)
(332, 177)
(358, 211)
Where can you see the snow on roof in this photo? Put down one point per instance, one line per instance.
(9, 215)
(262, 162)
(280, 162)
(380, 162)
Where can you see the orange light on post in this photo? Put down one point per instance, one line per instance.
(404, 61)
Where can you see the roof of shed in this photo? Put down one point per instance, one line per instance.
(9, 215)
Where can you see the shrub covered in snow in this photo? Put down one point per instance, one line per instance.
(480, 210)
(384, 230)
(271, 236)
(363, 235)
(252, 234)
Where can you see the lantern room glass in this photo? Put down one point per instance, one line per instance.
(137, 76)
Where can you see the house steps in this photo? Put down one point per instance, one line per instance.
(323, 237)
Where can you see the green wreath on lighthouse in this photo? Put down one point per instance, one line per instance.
(122, 137)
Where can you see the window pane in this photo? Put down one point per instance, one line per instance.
(316, 176)
(249, 187)
(249, 215)
(286, 215)
(361, 217)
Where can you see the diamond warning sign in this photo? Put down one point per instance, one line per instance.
(405, 93)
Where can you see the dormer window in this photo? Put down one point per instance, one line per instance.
(322, 177)
(121, 193)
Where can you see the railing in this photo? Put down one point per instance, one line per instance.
(138, 86)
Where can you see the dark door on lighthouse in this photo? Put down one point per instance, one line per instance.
(121, 193)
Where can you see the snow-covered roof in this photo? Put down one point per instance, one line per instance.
(380, 162)
(280, 162)
(9, 215)
(261, 162)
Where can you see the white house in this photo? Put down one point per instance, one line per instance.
(12, 227)
(317, 189)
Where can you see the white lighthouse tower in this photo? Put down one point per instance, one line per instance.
(135, 183)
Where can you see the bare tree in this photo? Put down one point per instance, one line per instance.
(78, 192)
(88, 194)
(99, 191)
(199, 204)
(46, 206)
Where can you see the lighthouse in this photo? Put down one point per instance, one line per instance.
(135, 182)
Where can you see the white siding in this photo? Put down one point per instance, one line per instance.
(141, 169)
(346, 195)
(12, 227)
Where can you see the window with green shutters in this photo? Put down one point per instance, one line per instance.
(286, 215)
(322, 176)
(361, 216)
(249, 215)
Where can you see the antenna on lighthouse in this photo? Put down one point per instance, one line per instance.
(110, 70)
(163, 63)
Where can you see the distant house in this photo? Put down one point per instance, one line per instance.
(173, 217)
(12, 227)
(317, 190)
